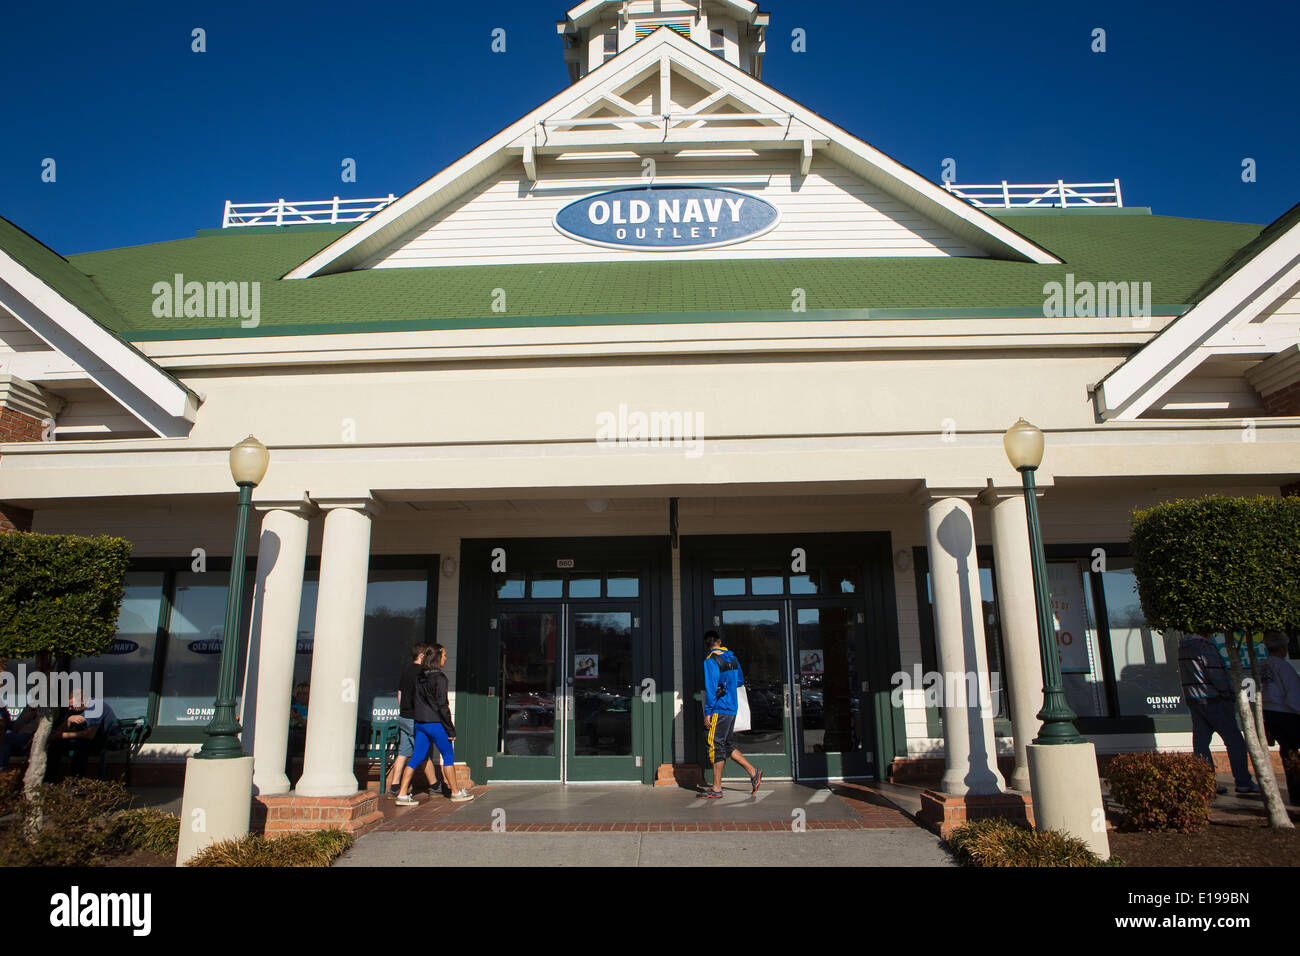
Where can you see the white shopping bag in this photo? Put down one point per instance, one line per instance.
(742, 710)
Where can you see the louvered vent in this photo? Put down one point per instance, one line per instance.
(683, 27)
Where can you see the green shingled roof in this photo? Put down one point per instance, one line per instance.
(59, 274)
(69, 282)
(1177, 256)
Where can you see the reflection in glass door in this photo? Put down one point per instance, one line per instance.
(827, 653)
(566, 690)
(527, 729)
(601, 687)
(812, 727)
(757, 637)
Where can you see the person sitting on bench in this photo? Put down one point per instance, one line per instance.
(79, 735)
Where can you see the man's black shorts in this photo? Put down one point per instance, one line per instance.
(718, 727)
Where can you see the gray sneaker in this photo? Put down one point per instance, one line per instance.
(407, 801)
(461, 795)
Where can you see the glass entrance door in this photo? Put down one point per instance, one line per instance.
(602, 689)
(828, 655)
(529, 684)
(803, 662)
(567, 693)
(757, 636)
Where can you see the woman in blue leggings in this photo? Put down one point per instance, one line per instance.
(433, 727)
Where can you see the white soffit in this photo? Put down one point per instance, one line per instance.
(639, 61)
(165, 406)
(1222, 323)
(591, 10)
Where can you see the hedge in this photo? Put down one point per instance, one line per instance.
(1219, 564)
(60, 594)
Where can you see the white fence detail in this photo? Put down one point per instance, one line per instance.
(284, 213)
(1059, 194)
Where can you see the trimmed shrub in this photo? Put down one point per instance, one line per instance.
(320, 848)
(146, 829)
(1219, 564)
(60, 594)
(1163, 791)
(998, 842)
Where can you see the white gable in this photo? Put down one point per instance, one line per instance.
(90, 382)
(828, 213)
(1252, 315)
(668, 100)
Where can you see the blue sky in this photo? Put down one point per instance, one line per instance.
(150, 138)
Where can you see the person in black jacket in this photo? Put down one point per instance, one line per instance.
(433, 726)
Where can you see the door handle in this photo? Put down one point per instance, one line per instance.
(785, 698)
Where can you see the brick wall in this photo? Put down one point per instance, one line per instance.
(14, 427)
(1285, 401)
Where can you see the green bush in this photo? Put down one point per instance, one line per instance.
(996, 841)
(1163, 791)
(146, 829)
(60, 594)
(1217, 564)
(320, 848)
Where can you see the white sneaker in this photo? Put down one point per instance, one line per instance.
(461, 795)
(407, 801)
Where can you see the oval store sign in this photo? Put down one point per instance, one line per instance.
(666, 218)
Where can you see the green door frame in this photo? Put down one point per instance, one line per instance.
(868, 551)
(476, 668)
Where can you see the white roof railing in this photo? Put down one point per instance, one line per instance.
(1059, 194)
(282, 213)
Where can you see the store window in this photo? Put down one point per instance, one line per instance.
(181, 673)
(396, 619)
(127, 664)
(1144, 661)
(193, 653)
(992, 634)
(1078, 641)
(1112, 663)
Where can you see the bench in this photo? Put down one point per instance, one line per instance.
(125, 736)
(380, 739)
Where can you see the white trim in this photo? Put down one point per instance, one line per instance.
(807, 335)
(978, 228)
(1220, 324)
(131, 379)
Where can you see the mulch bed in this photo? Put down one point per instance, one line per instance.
(1236, 837)
(143, 858)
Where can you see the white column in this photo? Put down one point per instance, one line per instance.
(970, 749)
(273, 640)
(336, 654)
(1023, 671)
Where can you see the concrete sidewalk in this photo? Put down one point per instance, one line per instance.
(894, 847)
(785, 824)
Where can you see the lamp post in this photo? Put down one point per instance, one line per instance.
(219, 778)
(1024, 445)
(248, 463)
(1063, 778)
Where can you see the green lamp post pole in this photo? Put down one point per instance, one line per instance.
(1024, 446)
(248, 462)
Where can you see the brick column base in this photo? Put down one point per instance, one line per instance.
(942, 813)
(289, 813)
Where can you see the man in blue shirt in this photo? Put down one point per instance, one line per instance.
(1208, 693)
(722, 677)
